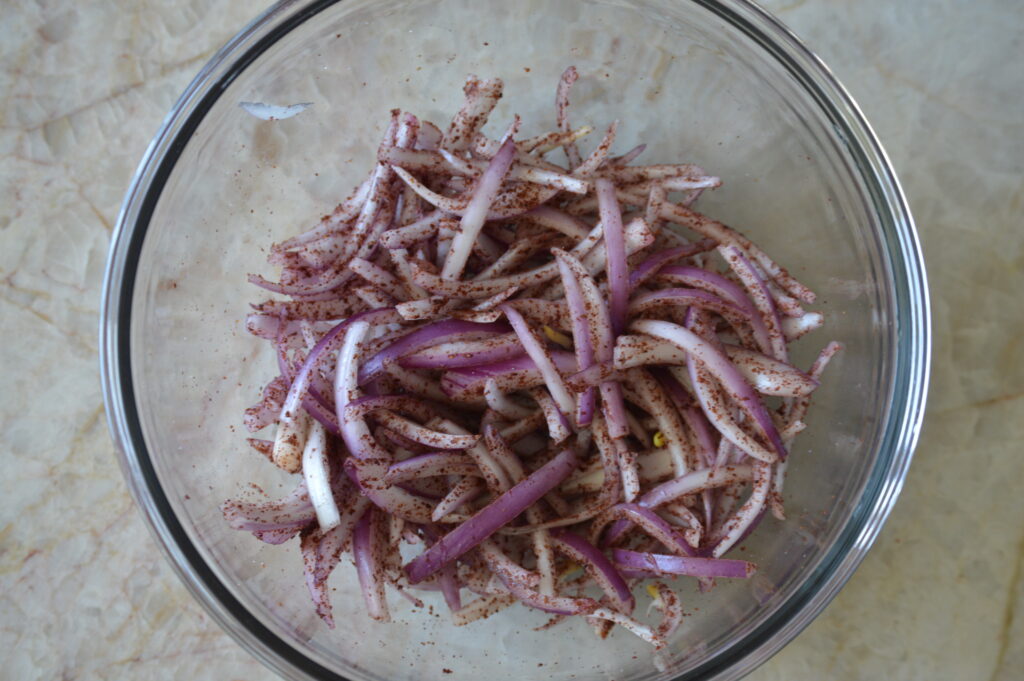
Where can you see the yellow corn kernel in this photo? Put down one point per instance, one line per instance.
(659, 439)
(558, 337)
(569, 569)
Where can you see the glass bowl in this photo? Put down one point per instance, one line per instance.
(722, 84)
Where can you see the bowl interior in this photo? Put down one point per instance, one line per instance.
(679, 77)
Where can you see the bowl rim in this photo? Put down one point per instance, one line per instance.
(881, 489)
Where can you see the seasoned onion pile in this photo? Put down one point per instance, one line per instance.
(511, 380)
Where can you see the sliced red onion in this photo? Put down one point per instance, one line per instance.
(332, 542)
(379, 277)
(501, 403)
(542, 144)
(552, 218)
(369, 475)
(601, 337)
(496, 514)
(422, 333)
(481, 98)
(797, 327)
(461, 494)
(291, 512)
(360, 407)
(597, 157)
(679, 514)
(615, 247)
(317, 587)
(569, 77)
(639, 564)
(493, 474)
(289, 441)
(476, 212)
(736, 527)
(427, 465)
(512, 577)
(660, 171)
(465, 353)
(482, 608)
(559, 428)
(689, 297)
(515, 200)
(514, 374)
(637, 236)
(417, 384)
(652, 265)
(317, 477)
(344, 212)
(423, 435)
(327, 344)
(629, 471)
(266, 412)
(545, 555)
(722, 369)
(706, 478)
(718, 413)
(762, 297)
(725, 289)
(446, 331)
(598, 567)
(264, 447)
(770, 376)
(582, 338)
(366, 549)
(634, 626)
(639, 351)
(628, 157)
(672, 611)
(659, 405)
(373, 298)
(503, 454)
(276, 537)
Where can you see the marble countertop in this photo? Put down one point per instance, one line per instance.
(84, 593)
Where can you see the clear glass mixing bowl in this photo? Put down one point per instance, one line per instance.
(718, 83)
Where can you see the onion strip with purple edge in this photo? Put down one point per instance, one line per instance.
(428, 465)
(294, 511)
(639, 564)
(489, 519)
(649, 521)
(463, 492)
(652, 265)
(476, 212)
(501, 403)
(465, 353)
(523, 367)
(433, 334)
(542, 359)
(599, 567)
(495, 476)
(690, 483)
(369, 566)
(514, 579)
(722, 369)
(717, 285)
(762, 297)
(615, 252)
(569, 76)
(601, 337)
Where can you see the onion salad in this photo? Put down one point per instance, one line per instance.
(513, 372)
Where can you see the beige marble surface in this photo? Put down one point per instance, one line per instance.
(84, 593)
